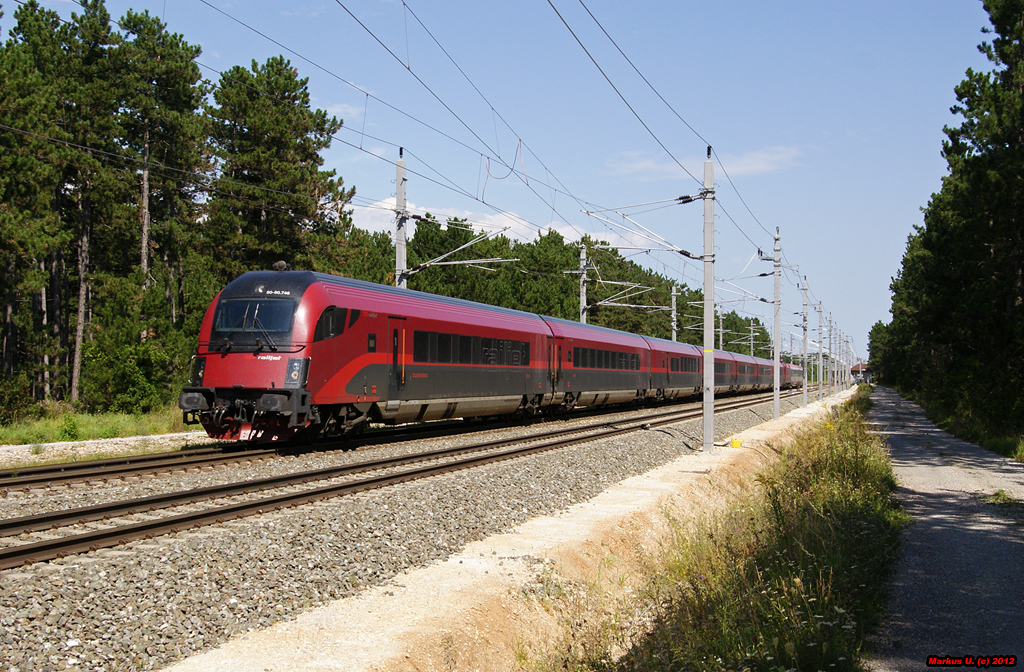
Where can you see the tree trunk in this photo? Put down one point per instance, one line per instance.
(83, 293)
(44, 314)
(10, 334)
(144, 209)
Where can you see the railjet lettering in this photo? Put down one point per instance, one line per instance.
(972, 661)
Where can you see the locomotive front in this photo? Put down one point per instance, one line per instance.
(248, 377)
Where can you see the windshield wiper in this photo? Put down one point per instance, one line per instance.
(259, 325)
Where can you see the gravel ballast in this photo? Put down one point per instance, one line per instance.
(146, 604)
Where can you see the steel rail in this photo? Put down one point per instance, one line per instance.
(49, 549)
(71, 467)
(89, 471)
(38, 522)
(137, 465)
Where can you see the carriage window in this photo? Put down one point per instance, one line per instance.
(444, 347)
(371, 342)
(330, 324)
(465, 349)
(421, 346)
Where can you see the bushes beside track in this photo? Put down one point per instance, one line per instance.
(789, 578)
(60, 423)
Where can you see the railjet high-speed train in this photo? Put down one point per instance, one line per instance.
(287, 352)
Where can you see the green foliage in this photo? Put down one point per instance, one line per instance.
(16, 403)
(861, 399)
(270, 192)
(69, 429)
(118, 225)
(788, 579)
(62, 424)
(131, 191)
(955, 342)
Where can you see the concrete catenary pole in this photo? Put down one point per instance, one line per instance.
(804, 358)
(583, 283)
(847, 375)
(709, 304)
(831, 357)
(674, 312)
(401, 216)
(841, 375)
(777, 343)
(821, 353)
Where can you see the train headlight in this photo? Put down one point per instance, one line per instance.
(195, 377)
(297, 371)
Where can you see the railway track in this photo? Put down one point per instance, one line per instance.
(128, 466)
(446, 460)
(136, 466)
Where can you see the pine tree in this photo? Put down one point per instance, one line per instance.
(270, 192)
(956, 340)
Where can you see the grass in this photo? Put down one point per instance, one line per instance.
(1007, 446)
(791, 577)
(968, 425)
(70, 426)
(1007, 505)
(970, 429)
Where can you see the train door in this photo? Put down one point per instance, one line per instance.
(396, 356)
(551, 362)
(559, 342)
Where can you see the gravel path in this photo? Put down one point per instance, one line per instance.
(147, 604)
(959, 588)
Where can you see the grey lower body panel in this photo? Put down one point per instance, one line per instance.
(418, 410)
(606, 397)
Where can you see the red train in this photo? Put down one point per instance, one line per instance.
(285, 352)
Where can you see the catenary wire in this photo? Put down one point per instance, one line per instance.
(623, 98)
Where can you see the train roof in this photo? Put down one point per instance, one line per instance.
(579, 330)
(400, 293)
(673, 346)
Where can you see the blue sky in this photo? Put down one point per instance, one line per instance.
(827, 116)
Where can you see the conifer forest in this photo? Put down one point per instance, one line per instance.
(132, 189)
(955, 342)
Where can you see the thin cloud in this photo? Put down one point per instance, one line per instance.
(346, 112)
(761, 161)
